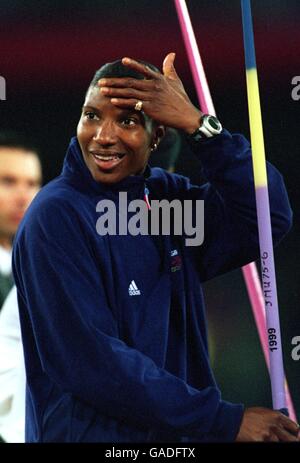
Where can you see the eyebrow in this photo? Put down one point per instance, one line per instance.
(89, 107)
(122, 112)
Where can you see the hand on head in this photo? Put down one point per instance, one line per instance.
(162, 96)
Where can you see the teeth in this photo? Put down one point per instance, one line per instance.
(106, 158)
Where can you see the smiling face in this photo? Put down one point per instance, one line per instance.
(115, 142)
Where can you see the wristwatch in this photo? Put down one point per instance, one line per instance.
(210, 126)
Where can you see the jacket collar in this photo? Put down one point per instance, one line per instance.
(77, 173)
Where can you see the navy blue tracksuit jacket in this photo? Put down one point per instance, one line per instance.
(113, 327)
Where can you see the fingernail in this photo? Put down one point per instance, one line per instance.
(103, 89)
(126, 60)
(102, 82)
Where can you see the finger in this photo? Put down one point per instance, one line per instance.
(142, 68)
(169, 68)
(285, 436)
(125, 103)
(290, 425)
(271, 437)
(125, 82)
(122, 93)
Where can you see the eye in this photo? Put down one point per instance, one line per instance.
(33, 184)
(129, 121)
(90, 115)
(7, 181)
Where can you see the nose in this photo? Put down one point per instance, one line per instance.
(105, 134)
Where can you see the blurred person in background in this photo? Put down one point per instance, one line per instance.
(12, 373)
(20, 180)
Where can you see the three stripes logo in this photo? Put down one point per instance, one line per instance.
(133, 289)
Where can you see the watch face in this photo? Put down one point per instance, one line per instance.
(214, 122)
(210, 127)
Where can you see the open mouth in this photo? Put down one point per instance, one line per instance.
(107, 161)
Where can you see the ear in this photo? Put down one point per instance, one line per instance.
(158, 134)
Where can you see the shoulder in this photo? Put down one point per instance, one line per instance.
(54, 208)
(55, 192)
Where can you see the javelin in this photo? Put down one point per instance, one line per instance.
(249, 271)
(263, 213)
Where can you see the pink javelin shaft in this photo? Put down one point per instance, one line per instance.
(249, 271)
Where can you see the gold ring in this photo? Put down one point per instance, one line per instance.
(138, 105)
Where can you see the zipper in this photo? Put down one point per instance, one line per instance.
(146, 197)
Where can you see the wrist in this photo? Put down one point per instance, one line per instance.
(192, 121)
(209, 127)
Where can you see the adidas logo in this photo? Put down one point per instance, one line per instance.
(133, 289)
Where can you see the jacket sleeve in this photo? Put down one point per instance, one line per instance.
(230, 218)
(76, 337)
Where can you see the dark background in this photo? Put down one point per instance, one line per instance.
(49, 51)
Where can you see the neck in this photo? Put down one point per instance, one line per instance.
(5, 242)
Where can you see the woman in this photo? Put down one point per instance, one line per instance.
(113, 323)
